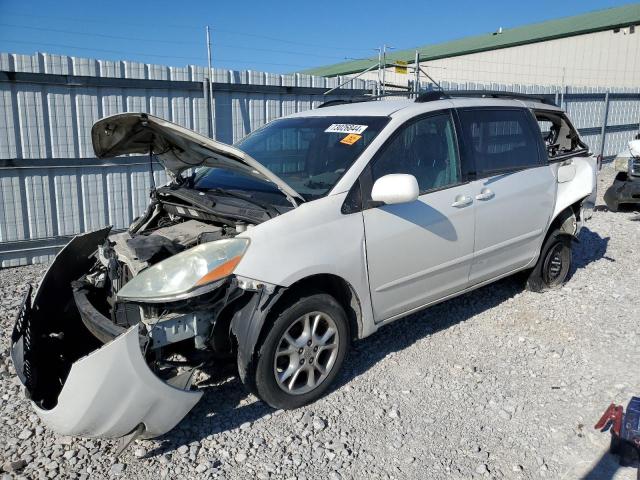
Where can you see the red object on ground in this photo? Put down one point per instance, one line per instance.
(613, 415)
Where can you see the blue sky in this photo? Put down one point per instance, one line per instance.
(281, 36)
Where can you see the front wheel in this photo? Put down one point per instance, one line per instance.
(554, 263)
(302, 352)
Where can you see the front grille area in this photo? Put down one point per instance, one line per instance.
(122, 276)
(125, 274)
(23, 328)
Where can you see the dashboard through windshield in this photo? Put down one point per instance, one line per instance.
(310, 153)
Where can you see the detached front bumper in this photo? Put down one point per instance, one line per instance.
(111, 391)
(78, 385)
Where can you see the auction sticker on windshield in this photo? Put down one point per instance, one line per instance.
(346, 128)
(351, 139)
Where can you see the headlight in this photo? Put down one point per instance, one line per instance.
(177, 276)
(621, 164)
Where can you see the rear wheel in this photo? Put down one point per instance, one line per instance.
(303, 352)
(554, 263)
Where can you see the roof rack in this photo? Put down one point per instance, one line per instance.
(441, 95)
(433, 95)
(365, 98)
(331, 103)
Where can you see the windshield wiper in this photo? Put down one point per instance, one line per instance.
(317, 184)
(269, 210)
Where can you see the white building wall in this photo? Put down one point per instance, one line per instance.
(601, 59)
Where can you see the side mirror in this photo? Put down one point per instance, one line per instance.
(395, 188)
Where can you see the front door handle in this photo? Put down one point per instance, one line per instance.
(485, 194)
(462, 201)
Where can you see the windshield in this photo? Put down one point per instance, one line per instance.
(308, 153)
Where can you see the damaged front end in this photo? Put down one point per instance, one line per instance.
(97, 365)
(124, 324)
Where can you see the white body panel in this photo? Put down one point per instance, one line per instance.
(315, 238)
(583, 185)
(511, 220)
(418, 252)
(111, 391)
(177, 148)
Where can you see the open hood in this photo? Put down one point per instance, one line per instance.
(176, 147)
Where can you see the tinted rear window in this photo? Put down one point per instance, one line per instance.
(500, 140)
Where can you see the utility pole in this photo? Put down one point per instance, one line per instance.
(384, 68)
(416, 85)
(379, 73)
(210, 75)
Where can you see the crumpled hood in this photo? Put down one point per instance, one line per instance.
(177, 148)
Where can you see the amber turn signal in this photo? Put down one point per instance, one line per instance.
(220, 271)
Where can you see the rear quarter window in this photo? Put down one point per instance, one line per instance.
(500, 140)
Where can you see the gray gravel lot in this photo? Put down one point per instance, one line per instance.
(498, 383)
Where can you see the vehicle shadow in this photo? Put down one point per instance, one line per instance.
(424, 216)
(592, 247)
(226, 405)
(604, 469)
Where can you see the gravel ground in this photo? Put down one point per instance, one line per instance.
(498, 383)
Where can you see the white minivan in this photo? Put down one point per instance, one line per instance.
(278, 252)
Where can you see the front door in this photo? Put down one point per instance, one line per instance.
(421, 251)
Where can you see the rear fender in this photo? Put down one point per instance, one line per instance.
(577, 181)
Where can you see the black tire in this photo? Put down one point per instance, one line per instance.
(267, 387)
(553, 265)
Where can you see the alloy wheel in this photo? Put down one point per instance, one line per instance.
(306, 353)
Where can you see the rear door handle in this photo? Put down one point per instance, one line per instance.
(485, 194)
(462, 201)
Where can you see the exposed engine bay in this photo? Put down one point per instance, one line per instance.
(131, 318)
(176, 337)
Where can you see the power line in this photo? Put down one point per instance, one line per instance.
(188, 27)
(289, 41)
(101, 35)
(103, 50)
(152, 40)
(121, 52)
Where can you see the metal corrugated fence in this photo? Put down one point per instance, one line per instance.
(51, 186)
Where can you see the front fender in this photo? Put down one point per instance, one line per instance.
(247, 323)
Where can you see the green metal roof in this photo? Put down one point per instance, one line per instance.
(536, 32)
